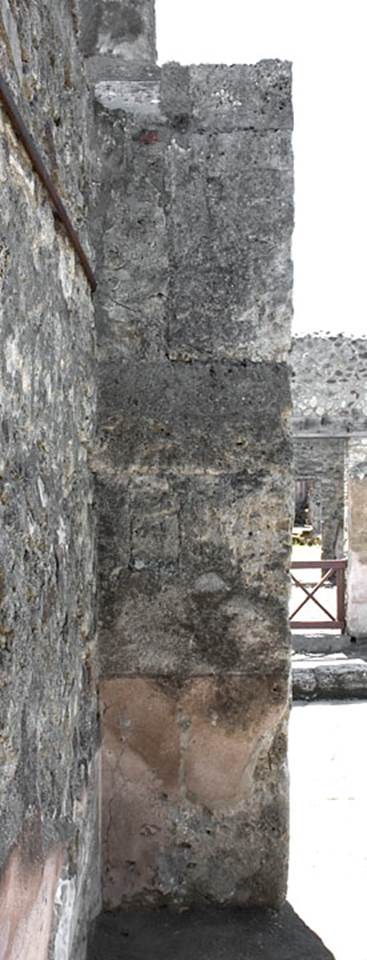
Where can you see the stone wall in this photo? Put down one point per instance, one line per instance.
(193, 465)
(329, 392)
(117, 35)
(356, 509)
(321, 459)
(329, 383)
(48, 789)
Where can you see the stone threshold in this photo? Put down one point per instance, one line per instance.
(332, 676)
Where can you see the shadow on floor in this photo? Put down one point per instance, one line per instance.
(206, 934)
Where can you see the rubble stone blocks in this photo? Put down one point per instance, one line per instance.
(194, 480)
(49, 860)
(356, 487)
(329, 383)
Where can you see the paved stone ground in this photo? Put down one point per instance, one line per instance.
(328, 869)
(209, 934)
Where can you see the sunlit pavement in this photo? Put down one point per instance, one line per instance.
(328, 866)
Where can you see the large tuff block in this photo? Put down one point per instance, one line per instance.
(199, 575)
(224, 98)
(229, 239)
(192, 776)
(197, 231)
(190, 418)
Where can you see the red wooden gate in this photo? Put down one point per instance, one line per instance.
(329, 568)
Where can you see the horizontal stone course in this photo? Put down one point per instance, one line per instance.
(224, 98)
(196, 240)
(196, 575)
(188, 418)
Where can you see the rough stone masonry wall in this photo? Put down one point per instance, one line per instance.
(193, 467)
(329, 383)
(49, 861)
(329, 392)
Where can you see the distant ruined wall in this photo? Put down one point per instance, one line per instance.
(329, 393)
(322, 460)
(49, 885)
(116, 34)
(329, 383)
(192, 224)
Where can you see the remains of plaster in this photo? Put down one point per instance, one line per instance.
(27, 897)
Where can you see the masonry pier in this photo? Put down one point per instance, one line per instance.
(194, 479)
(181, 183)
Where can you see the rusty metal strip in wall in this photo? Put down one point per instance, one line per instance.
(36, 160)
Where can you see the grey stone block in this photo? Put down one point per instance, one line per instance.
(229, 231)
(242, 97)
(196, 587)
(186, 418)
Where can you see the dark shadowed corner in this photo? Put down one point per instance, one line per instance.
(208, 934)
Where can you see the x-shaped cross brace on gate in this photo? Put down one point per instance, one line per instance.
(310, 595)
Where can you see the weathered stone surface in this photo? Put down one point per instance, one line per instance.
(121, 28)
(329, 383)
(229, 234)
(238, 97)
(47, 628)
(193, 460)
(190, 418)
(201, 574)
(181, 765)
(202, 222)
(134, 272)
(321, 460)
(325, 679)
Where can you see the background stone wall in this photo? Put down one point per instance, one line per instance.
(329, 383)
(329, 392)
(117, 35)
(356, 510)
(48, 793)
(322, 459)
(193, 464)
